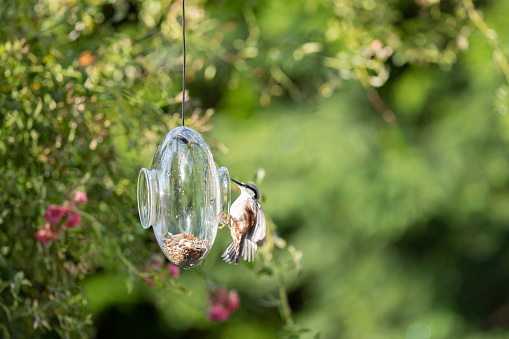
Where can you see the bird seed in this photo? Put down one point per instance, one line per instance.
(185, 249)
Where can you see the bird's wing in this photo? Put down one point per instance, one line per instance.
(259, 226)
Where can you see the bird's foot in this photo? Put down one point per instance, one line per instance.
(224, 220)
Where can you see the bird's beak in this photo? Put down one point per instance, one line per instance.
(235, 181)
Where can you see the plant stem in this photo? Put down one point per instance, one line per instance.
(490, 34)
(284, 306)
(374, 97)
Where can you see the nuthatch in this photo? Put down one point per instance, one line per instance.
(248, 225)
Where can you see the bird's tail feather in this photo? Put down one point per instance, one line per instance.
(230, 255)
(234, 253)
(250, 249)
(246, 248)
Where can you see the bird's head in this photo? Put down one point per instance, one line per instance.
(248, 189)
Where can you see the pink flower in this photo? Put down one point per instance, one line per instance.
(376, 45)
(174, 270)
(81, 197)
(223, 303)
(68, 207)
(218, 313)
(73, 220)
(218, 295)
(222, 296)
(46, 234)
(233, 301)
(53, 214)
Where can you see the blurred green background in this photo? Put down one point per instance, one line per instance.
(380, 129)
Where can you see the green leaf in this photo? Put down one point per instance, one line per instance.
(46, 324)
(7, 312)
(265, 270)
(5, 331)
(129, 284)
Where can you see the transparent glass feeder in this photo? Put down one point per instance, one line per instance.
(184, 197)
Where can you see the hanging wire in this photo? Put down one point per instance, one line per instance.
(184, 63)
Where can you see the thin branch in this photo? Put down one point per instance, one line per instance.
(490, 34)
(374, 98)
(284, 305)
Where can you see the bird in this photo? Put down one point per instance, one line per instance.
(248, 224)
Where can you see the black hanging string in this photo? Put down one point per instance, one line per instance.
(184, 63)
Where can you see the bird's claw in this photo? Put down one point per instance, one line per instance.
(225, 221)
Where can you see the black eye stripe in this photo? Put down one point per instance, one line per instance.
(253, 189)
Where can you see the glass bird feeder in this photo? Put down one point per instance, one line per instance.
(184, 197)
